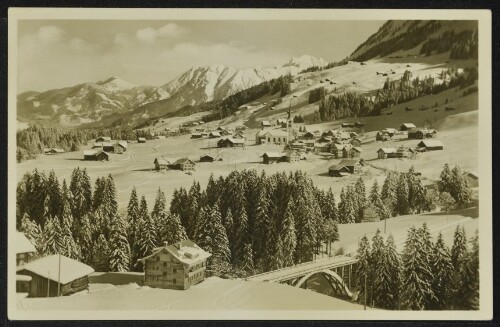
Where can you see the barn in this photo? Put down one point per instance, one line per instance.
(230, 142)
(351, 152)
(407, 126)
(175, 266)
(207, 158)
(271, 157)
(345, 167)
(49, 272)
(431, 145)
(196, 136)
(93, 155)
(384, 153)
(161, 163)
(53, 151)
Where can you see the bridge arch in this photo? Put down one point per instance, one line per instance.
(333, 278)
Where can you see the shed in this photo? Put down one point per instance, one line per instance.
(53, 151)
(231, 142)
(265, 123)
(141, 140)
(95, 155)
(196, 136)
(46, 274)
(431, 145)
(384, 153)
(161, 163)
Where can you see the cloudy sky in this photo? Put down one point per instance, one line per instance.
(59, 53)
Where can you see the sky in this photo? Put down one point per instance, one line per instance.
(62, 53)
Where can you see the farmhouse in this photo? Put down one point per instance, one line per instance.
(53, 151)
(49, 272)
(276, 136)
(297, 145)
(25, 250)
(207, 158)
(95, 155)
(103, 139)
(338, 150)
(265, 123)
(118, 147)
(345, 167)
(291, 156)
(321, 147)
(141, 140)
(196, 136)
(430, 145)
(271, 157)
(407, 126)
(230, 142)
(175, 266)
(183, 164)
(325, 139)
(161, 163)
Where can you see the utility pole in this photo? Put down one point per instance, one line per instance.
(48, 283)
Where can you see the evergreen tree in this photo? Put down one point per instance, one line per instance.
(32, 232)
(52, 237)
(446, 183)
(389, 192)
(363, 272)
(375, 259)
(247, 264)
(416, 275)
(53, 198)
(133, 215)
(473, 265)
(172, 231)
(146, 235)
(100, 184)
(403, 207)
(288, 237)
(360, 195)
(101, 255)
(387, 277)
(159, 207)
(81, 191)
(119, 256)
(213, 239)
(442, 275)
(462, 277)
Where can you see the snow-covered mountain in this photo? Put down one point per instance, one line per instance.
(92, 102)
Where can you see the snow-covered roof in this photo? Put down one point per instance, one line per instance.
(48, 267)
(277, 132)
(105, 138)
(22, 244)
(185, 251)
(273, 154)
(234, 140)
(266, 123)
(162, 161)
(89, 152)
(431, 143)
(409, 125)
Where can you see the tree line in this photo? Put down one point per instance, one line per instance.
(332, 107)
(427, 275)
(461, 45)
(249, 222)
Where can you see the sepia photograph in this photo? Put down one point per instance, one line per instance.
(250, 164)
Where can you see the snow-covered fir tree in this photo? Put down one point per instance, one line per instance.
(442, 275)
(119, 254)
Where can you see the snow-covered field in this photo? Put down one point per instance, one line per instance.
(212, 294)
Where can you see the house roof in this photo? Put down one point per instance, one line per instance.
(266, 122)
(123, 144)
(349, 162)
(185, 251)
(290, 152)
(141, 138)
(390, 129)
(105, 138)
(387, 150)
(54, 150)
(273, 154)
(215, 133)
(22, 244)
(430, 143)
(89, 152)
(208, 155)
(409, 125)
(48, 267)
(357, 148)
(182, 160)
(162, 161)
(276, 132)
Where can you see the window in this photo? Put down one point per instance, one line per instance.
(157, 258)
(174, 281)
(174, 270)
(164, 274)
(165, 265)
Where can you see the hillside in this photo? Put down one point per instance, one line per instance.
(406, 38)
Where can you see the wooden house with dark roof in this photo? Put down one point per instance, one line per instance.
(184, 164)
(176, 266)
(95, 155)
(271, 157)
(207, 158)
(161, 163)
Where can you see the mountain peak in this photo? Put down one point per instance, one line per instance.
(306, 61)
(114, 83)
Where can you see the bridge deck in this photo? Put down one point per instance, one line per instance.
(303, 269)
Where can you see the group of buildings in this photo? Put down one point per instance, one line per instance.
(103, 146)
(175, 266)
